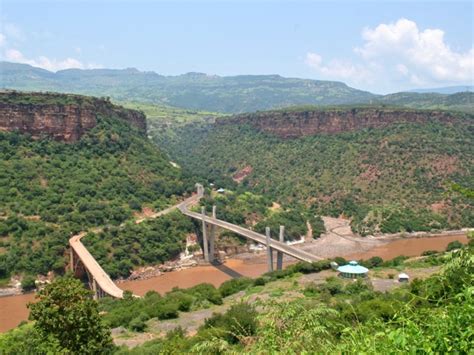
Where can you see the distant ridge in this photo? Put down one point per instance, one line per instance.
(447, 90)
(204, 92)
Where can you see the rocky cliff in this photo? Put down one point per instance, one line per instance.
(62, 117)
(297, 123)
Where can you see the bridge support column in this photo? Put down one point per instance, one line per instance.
(204, 235)
(269, 250)
(212, 237)
(94, 289)
(279, 253)
(71, 259)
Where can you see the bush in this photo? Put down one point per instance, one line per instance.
(260, 281)
(429, 252)
(168, 310)
(375, 261)
(238, 322)
(28, 283)
(138, 324)
(454, 245)
(206, 291)
(232, 286)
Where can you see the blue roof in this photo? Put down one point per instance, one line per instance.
(352, 268)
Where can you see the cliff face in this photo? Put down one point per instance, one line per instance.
(62, 117)
(293, 124)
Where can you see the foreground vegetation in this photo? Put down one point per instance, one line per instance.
(405, 177)
(344, 317)
(335, 316)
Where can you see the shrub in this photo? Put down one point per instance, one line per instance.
(235, 285)
(168, 310)
(429, 252)
(454, 245)
(375, 261)
(138, 324)
(28, 283)
(260, 281)
(238, 322)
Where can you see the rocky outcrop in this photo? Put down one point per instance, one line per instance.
(298, 123)
(61, 117)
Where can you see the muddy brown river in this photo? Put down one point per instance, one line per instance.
(13, 309)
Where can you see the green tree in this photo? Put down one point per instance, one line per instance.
(66, 312)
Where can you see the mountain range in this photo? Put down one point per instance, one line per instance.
(198, 91)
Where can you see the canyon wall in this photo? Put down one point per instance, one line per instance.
(298, 123)
(61, 117)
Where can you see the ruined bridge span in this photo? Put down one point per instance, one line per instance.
(102, 285)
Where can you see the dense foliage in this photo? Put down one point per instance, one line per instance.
(132, 312)
(404, 177)
(50, 190)
(66, 315)
(120, 249)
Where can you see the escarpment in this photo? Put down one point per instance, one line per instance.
(62, 117)
(297, 123)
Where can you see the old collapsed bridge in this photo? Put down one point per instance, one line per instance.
(101, 283)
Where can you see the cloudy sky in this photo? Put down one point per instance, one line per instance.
(379, 46)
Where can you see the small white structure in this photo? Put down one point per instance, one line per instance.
(221, 190)
(403, 277)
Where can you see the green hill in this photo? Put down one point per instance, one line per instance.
(406, 175)
(51, 189)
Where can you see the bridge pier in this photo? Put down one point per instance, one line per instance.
(269, 250)
(204, 235)
(71, 260)
(212, 237)
(279, 265)
(94, 289)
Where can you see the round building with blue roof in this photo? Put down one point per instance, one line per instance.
(353, 270)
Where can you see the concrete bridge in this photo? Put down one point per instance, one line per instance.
(81, 261)
(209, 224)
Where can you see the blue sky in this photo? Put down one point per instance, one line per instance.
(374, 45)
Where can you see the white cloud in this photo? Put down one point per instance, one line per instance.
(15, 55)
(7, 52)
(339, 69)
(402, 53)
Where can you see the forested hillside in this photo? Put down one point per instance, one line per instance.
(51, 189)
(404, 176)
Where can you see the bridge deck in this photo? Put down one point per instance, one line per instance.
(259, 238)
(100, 276)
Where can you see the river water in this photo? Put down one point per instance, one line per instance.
(13, 309)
